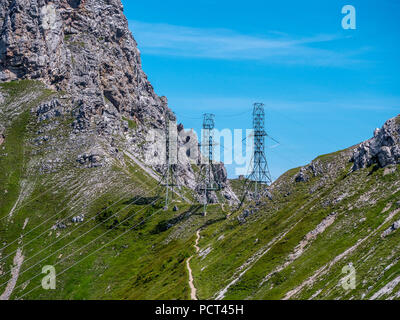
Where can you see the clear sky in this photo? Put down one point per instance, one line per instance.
(324, 88)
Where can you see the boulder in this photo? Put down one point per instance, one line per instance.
(383, 149)
(395, 226)
(302, 176)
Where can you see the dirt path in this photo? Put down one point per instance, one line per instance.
(18, 259)
(193, 290)
(25, 190)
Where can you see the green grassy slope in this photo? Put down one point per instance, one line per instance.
(293, 246)
(364, 204)
(126, 248)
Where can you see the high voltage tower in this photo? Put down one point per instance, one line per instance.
(260, 174)
(207, 182)
(169, 179)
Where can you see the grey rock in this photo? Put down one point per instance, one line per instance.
(268, 194)
(90, 160)
(383, 149)
(302, 176)
(241, 220)
(86, 52)
(49, 110)
(395, 226)
(227, 196)
(78, 219)
(389, 170)
(60, 226)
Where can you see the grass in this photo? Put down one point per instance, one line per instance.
(131, 124)
(297, 214)
(15, 88)
(14, 148)
(12, 165)
(141, 263)
(77, 44)
(144, 248)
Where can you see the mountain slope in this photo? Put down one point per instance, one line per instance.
(321, 218)
(80, 191)
(77, 158)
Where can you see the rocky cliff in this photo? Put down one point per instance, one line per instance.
(383, 149)
(82, 157)
(84, 51)
(84, 48)
(79, 184)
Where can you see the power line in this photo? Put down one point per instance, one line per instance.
(260, 175)
(236, 115)
(47, 229)
(84, 258)
(208, 183)
(75, 239)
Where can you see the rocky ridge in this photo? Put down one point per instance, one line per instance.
(383, 149)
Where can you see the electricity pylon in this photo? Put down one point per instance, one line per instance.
(169, 179)
(207, 184)
(260, 174)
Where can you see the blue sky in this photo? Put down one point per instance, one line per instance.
(324, 88)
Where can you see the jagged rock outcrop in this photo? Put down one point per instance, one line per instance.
(82, 47)
(383, 149)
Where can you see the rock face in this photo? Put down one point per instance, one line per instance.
(84, 50)
(383, 149)
(83, 47)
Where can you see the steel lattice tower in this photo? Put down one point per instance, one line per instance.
(169, 179)
(208, 184)
(260, 174)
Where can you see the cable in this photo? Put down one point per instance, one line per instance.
(25, 245)
(79, 227)
(41, 224)
(40, 195)
(75, 238)
(183, 115)
(19, 207)
(102, 235)
(97, 250)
